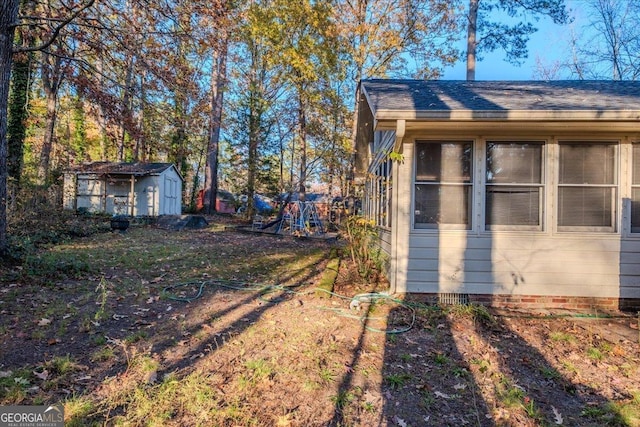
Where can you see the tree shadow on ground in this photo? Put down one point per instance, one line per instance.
(463, 368)
(211, 333)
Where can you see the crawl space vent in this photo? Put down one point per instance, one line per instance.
(453, 299)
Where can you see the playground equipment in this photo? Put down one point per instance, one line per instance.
(300, 218)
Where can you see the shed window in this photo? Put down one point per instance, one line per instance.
(587, 187)
(443, 184)
(514, 190)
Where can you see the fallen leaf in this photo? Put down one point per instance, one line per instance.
(558, 416)
(442, 395)
(401, 422)
(152, 377)
(42, 375)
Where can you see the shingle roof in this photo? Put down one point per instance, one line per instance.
(501, 96)
(114, 168)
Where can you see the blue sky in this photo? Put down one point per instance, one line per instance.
(549, 44)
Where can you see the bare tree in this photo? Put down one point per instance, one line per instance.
(614, 49)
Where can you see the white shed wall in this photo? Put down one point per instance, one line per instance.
(152, 195)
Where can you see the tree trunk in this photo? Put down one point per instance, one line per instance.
(255, 121)
(19, 98)
(51, 78)
(8, 19)
(302, 121)
(126, 107)
(252, 160)
(49, 135)
(217, 88)
(472, 43)
(18, 113)
(140, 142)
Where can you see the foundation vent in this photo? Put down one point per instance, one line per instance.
(453, 299)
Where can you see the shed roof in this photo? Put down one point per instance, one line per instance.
(519, 100)
(116, 168)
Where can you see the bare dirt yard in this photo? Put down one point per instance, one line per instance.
(216, 327)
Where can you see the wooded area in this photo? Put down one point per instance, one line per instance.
(248, 97)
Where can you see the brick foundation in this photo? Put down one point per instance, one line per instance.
(546, 302)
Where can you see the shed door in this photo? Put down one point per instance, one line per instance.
(170, 199)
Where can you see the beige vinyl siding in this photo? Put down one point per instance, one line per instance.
(586, 264)
(385, 241)
(630, 268)
(508, 264)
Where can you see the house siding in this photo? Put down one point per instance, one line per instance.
(559, 260)
(503, 264)
(630, 268)
(570, 267)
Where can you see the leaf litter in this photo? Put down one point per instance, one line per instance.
(279, 359)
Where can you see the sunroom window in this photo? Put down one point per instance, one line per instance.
(443, 184)
(635, 190)
(587, 187)
(514, 190)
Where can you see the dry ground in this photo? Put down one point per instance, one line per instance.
(213, 327)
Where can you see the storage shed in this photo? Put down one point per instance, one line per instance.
(132, 189)
(506, 193)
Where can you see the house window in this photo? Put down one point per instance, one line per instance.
(443, 184)
(514, 190)
(383, 218)
(587, 186)
(635, 190)
(378, 206)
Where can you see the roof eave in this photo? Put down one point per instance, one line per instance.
(509, 115)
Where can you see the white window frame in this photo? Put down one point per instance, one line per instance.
(541, 186)
(615, 188)
(424, 226)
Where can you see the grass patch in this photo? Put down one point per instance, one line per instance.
(78, 412)
(477, 312)
(397, 381)
(14, 385)
(595, 354)
(550, 373)
(325, 287)
(62, 365)
(136, 337)
(562, 337)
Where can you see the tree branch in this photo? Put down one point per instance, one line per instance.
(56, 30)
